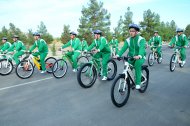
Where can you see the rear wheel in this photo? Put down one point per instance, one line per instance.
(120, 91)
(112, 69)
(60, 68)
(6, 67)
(173, 62)
(150, 59)
(144, 79)
(49, 64)
(159, 60)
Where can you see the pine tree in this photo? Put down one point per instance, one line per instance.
(65, 36)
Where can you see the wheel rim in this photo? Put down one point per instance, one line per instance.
(6, 67)
(25, 69)
(110, 70)
(49, 64)
(81, 61)
(59, 68)
(151, 59)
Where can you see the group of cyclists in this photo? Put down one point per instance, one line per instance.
(135, 44)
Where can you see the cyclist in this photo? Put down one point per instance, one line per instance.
(84, 44)
(19, 48)
(114, 43)
(102, 51)
(6, 45)
(180, 40)
(136, 45)
(75, 49)
(42, 50)
(156, 41)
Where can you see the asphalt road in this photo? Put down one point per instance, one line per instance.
(43, 100)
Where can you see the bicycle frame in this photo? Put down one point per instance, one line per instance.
(177, 58)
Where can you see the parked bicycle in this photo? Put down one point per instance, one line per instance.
(120, 90)
(153, 56)
(60, 67)
(26, 67)
(88, 73)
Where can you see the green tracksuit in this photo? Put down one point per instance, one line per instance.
(136, 47)
(156, 41)
(5, 47)
(19, 47)
(180, 41)
(104, 52)
(76, 46)
(84, 45)
(114, 44)
(42, 51)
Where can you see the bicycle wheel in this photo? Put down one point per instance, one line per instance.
(120, 91)
(49, 64)
(159, 60)
(144, 79)
(172, 62)
(112, 69)
(150, 59)
(81, 61)
(6, 67)
(24, 69)
(88, 78)
(60, 68)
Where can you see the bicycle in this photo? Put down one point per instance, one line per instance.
(60, 67)
(154, 56)
(120, 90)
(26, 67)
(87, 74)
(176, 58)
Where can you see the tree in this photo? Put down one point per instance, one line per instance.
(127, 20)
(119, 29)
(94, 16)
(187, 31)
(65, 36)
(30, 38)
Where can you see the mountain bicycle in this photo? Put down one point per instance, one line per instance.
(120, 90)
(60, 67)
(176, 58)
(153, 55)
(87, 74)
(26, 67)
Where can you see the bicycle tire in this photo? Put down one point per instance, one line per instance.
(172, 63)
(56, 68)
(9, 71)
(115, 70)
(145, 85)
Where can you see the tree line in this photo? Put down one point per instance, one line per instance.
(95, 16)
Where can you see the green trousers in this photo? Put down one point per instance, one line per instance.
(158, 50)
(42, 59)
(183, 54)
(137, 66)
(73, 56)
(105, 58)
(17, 55)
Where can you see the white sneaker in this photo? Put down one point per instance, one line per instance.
(74, 70)
(138, 87)
(104, 78)
(43, 71)
(183, 63)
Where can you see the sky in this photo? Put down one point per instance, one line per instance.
(27, 14)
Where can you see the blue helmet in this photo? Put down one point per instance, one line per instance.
(98, 32)
(15, 36)
(36, 34)
(135, 26)
(4, 38)
(179, 30)
(73, 33)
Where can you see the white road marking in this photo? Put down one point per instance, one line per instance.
(18, 85)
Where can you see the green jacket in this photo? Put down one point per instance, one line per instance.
(136, 46)
(156, 40)
(84, 45)
(114, 43)
(100, 44)
(18, 46)
(75, 44)
(179, 40)
(5, 46)
(41, 44)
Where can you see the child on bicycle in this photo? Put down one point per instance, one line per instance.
(114, 44)
(156, 41)
(42, 50)
(136, 45)
(180, 40)
(19, 48)
(75, 49)
(6, 45)
(102, 51)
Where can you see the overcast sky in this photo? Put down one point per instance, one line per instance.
(27, 14)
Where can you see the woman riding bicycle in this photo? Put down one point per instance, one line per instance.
(136, 45)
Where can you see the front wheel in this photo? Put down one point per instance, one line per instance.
(49, 64)
(112, 69)
(173, 62)
(150, 59)
(60, 68)
(24, 69)
(81, 61)
(144, 79)
(120, 91)
(87, 75)
(6, 67)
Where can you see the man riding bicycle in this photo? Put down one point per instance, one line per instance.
(6, 45)
(136, 45)
(42, 50)
(156, 41)
(102, 51)
(75, 49)
(180, 40)
(114, 43)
